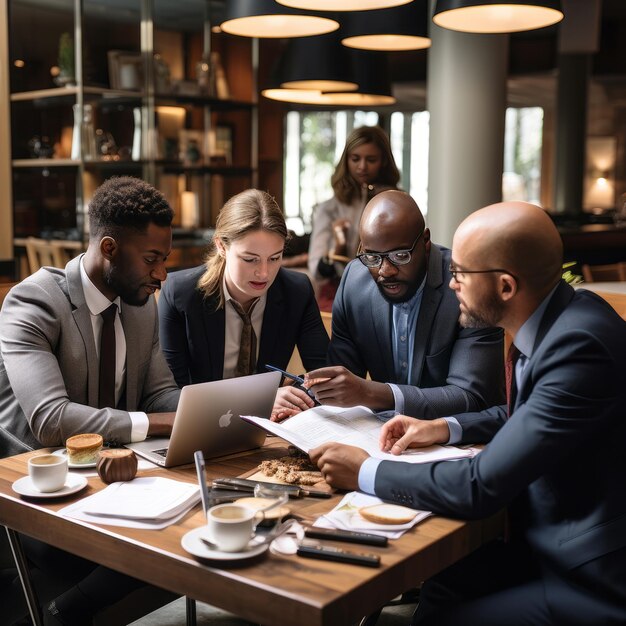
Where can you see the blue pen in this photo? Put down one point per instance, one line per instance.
(298, 379)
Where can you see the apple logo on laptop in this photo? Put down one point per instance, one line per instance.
(225, 419)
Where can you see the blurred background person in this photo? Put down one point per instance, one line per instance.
(365, 168)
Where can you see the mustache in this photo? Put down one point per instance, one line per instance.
(387, 281)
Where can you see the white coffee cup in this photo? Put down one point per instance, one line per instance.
(47, 472)
(231, 526)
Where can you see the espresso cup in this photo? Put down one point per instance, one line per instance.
(47, 472)
(231, 526)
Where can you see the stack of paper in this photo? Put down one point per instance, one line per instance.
(149, 502)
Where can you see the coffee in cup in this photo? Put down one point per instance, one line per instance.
(47, 472)
(231, 526)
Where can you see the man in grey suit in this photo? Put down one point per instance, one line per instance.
(50, 329)
(395, 318)
(554, 454)
(50, 370)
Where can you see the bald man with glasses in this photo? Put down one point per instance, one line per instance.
(395, 318)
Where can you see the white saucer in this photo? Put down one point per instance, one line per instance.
(73, 483)
(63, 452)
(192, 543)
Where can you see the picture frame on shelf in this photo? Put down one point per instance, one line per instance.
(191, 146)
(220, 148)
(125, 70)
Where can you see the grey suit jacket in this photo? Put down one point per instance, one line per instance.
(49, 368)
(454, 369)
(559, 458)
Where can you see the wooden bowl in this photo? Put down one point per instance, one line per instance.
(117, 464)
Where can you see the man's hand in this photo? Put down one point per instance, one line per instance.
(339, 464)
(338, 386)
(160, 424)
(404, 432)
(290, 401)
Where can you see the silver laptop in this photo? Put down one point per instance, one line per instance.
(208, 419)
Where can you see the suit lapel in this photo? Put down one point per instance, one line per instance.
(82, 318)
(431, 297)
(272, 323)
(134, 333)
(382, 323)
(214, 321)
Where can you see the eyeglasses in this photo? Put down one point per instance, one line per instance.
(395, 257)
(457, 273)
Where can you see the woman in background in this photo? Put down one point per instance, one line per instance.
(365, 168)
(241, 310)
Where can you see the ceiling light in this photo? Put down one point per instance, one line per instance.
(266, 19)
(400, 28)
(341, 5)
(496, 16)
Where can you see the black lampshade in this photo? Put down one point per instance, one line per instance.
(401, 28)
(496, 16)
(267, 19)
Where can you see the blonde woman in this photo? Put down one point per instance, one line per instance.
(241, 310)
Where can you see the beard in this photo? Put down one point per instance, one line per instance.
(130, 293)
(488, 315)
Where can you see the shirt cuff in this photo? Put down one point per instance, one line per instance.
(139, 426)
(367, 475)
(398, 398)
(456, 430)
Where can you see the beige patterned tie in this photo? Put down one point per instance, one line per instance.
(246, 363)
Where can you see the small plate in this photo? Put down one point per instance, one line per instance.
(63, 452)
(194, 545)
(73, 483)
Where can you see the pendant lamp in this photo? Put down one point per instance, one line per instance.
(401, 28)
(318, 63)
(266, 19)
(341, 5)
(496, 16)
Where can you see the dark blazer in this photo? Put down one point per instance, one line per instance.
(559, 458)
(49, 367)
(192, 329)
(454, 369)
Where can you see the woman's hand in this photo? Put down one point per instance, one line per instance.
(290, 401)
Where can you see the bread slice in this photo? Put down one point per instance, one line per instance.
(83, 448)
(387, 514)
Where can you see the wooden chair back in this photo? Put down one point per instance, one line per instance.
(600, 273)
(54, 252)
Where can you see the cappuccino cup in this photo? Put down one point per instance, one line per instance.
(231, 526)
(47, 472)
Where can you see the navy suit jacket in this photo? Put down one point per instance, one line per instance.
(454, 369)
(192, 329)
(559, 458)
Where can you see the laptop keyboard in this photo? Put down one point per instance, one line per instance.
(162, 452)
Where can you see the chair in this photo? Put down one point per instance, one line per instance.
(4, 290)
(54, 252)
(599, 273)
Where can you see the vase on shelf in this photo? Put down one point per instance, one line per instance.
(135, 154)
(83, 134)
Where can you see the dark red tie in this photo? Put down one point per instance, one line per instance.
(106, 389)
(509, 377)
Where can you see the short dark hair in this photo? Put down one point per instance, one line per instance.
(126, 202)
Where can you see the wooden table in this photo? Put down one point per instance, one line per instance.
(270, 589)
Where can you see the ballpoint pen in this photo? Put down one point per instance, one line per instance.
(293, 377)
(204, 493)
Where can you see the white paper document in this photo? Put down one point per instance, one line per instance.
(356, 426)
(149, 502)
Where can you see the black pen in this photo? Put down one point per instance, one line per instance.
(204, 493)
(298, 379)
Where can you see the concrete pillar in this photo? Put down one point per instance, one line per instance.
(467, 102)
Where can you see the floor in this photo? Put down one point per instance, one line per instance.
(173, 614)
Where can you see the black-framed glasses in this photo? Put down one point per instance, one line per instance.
(456, 272)
(395, 257)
